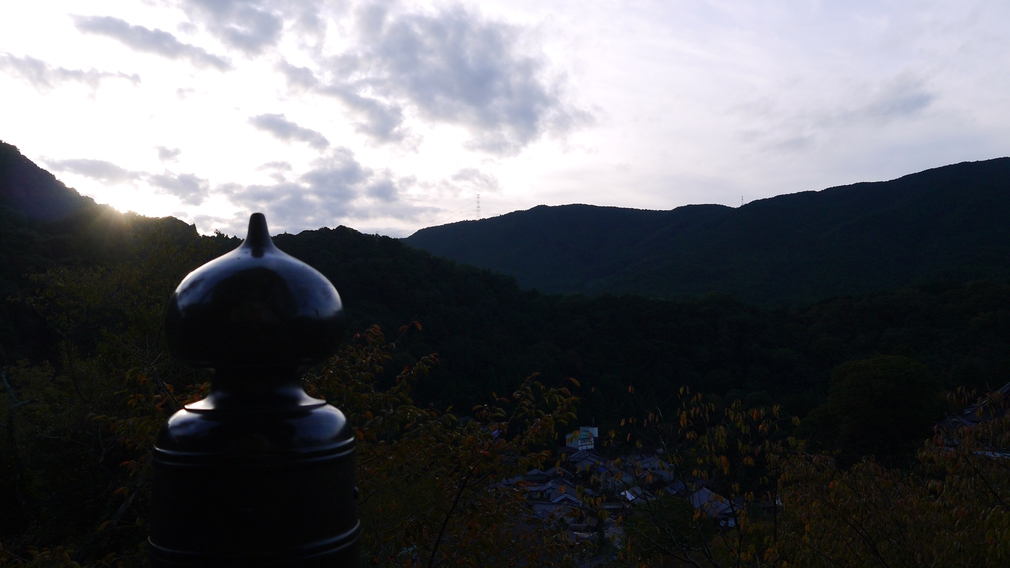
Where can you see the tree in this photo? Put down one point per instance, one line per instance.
(953, 509)
(710, 449)
(882, 406)
(431, 491)
(431, 483)
(79, 433)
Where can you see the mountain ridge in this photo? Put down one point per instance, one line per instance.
(489, 334)
(34, 191)
(799, 247)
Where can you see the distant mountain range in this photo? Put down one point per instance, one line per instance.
(945, 224)
(948, 224)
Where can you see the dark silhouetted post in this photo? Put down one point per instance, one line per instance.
(258, 473)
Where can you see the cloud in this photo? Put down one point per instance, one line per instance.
(277, 170)
(476, 180)
(167, 154)
(337, 178)
(379, 120)
(778, 125)
(901, 97)
(280, 166)
(316, 198)
(301, 77)
(95, 169)
(146, 40)
(452, 67)
(383, 190)
(459, 68)
(189, 188)
(466, 181)
(247, 26)
(280, 127)
(337, 188)
(382, 121)
(44, 77)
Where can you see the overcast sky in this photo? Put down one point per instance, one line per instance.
(392, 116)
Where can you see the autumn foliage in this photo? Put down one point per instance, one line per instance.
(78, 432)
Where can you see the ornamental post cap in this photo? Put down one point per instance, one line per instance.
(255, 306)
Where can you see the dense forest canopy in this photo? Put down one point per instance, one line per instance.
(490, 333)
(87, 380)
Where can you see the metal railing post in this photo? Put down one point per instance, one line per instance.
(258, 473)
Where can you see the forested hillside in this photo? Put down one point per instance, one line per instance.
(44, 224)
(489, 333)
(948, 223)
(711, 380)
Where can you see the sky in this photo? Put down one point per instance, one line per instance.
(393, 116)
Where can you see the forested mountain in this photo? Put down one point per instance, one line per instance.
(87, 379)
(949, 223)
(44, 224)
(33, 191)
(490, 333)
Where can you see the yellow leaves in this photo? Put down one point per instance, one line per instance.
(439, 470)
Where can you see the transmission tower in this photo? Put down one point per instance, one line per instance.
(478, 207)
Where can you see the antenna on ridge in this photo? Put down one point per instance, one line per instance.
(478, 207)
